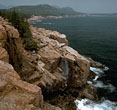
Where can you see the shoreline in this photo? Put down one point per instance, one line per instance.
(35, 19)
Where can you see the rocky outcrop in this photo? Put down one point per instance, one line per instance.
(54, 67)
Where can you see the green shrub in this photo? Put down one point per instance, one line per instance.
(31, 45)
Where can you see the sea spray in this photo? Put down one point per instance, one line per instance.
(96, 70)
(100, 84)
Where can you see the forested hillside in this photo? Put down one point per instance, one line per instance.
(44, 10)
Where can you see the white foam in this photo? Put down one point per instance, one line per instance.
(96, 70)
(96, 77)
(86, 104)
(89, 82)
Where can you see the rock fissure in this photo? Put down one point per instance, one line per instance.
(12, 50)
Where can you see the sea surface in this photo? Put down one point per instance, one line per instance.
(95, 37)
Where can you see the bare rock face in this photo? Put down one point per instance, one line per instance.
(16, 94)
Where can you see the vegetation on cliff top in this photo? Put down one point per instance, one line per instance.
(44, 10)
(22, 26)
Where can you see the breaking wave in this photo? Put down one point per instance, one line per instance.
(103, 104)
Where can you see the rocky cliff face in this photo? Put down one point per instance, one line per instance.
(24, 75)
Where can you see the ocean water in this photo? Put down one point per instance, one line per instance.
(95, 37)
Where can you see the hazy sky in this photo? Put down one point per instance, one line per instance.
(89, 6)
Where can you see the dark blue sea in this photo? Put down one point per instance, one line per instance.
(92, 36)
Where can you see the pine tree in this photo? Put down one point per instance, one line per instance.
(21, 24)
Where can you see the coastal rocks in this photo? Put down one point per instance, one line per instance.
(35, 18)
(54, 67)
(88, 93)
(55, 51)
(50, 107)
(61, 38)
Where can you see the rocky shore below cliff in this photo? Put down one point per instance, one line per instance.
(50, 78)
